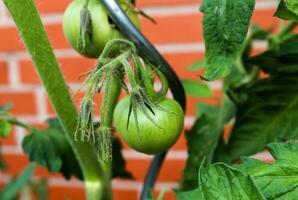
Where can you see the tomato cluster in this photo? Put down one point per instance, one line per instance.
(148, 134)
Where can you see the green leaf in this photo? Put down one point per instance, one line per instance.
(225, 25)
(287, 10)
(196, 89)
(283, 61)
(200, 64)
(12, 189)
(200, 142)
(50, 148)
(270, 106)
(269, 114)
(189, 195)
(278, 180)
(5, 129)
(204, 137)
(219, 181)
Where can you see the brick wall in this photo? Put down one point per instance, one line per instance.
(178, 36)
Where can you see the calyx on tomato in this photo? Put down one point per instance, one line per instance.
(88, 27)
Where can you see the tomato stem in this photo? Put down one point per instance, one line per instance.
(27, 19)
(147, 80)
(111, 94)
(164, 86)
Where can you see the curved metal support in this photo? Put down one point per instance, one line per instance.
(148, 51)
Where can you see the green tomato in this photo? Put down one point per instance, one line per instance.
(103, 28)
(150, 139)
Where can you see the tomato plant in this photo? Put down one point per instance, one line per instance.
(261, 110)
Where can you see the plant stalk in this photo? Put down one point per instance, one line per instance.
(111, 94)
(34, 36)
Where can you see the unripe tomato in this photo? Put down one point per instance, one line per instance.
(151, 139)
(103, 28)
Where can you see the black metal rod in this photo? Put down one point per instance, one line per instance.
(148, 51)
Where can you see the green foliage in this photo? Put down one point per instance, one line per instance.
(12, 189)
(287, 10)
(219, 181)
(200, 142)
(281, 61)
(196, 89)
(200, 64)
(225, 25)
(252, 179)
(49, 148)
(268, 111)
(276, 180)
(189, 195)
(204, 137)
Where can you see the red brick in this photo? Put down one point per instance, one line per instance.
(125, 194)
(227, 132)
(180, 144)
(174, 29)
(3, 73)
(23, 102)
(55, 6)
(263, 75)
(44, 173)
(181, 61)
(10, 40)
(168, 195)
(28, 73)
(265, 18)
(51, 6)
(191, 103)
(22, 161)
(72, 68)
(185, 28)
(169, 29)
(77, 100)
(10, 140)
(16, 163)
(171, 170)
(69, 193)
(165, 2)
